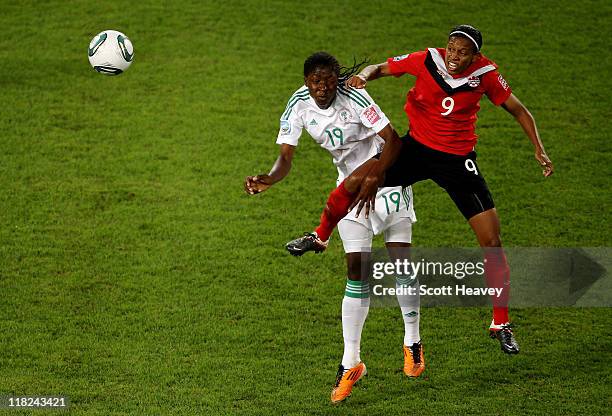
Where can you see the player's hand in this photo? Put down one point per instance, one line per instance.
(367, 192)
(544, 161)
(256, 184)
(356, 81)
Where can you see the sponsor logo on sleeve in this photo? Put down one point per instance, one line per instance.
(399, 58)
(503, 82)
(371, 115)
(285, 127)
(473, 82)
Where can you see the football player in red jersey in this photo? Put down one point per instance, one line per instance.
(441, 110)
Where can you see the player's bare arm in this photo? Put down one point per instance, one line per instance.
(259, 183)
(371, 179)
(369, 73)
(527, 122)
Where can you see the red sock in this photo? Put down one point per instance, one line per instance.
(497, 274)
(337, 207)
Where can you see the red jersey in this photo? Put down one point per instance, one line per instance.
(441, 108)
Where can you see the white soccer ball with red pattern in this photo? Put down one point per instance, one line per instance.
(110, 52)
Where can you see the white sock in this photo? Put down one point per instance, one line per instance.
(410, 306)
(355, 307)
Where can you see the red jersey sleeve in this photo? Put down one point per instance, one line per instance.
(411, 63)
(496, 87)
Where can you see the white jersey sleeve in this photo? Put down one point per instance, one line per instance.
(369, 112)
(291, 123)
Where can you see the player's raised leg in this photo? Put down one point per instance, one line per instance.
(497, 273)
(336, 208)
(461, 177)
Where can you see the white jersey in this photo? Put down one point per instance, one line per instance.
(348, 130)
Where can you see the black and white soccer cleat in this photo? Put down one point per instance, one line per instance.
(503, 333)
(309, 242)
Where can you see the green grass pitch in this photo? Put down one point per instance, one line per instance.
(136, 277)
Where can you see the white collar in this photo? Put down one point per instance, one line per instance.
(448, 78)
(333, 107)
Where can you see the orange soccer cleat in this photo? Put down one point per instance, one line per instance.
(345, 380)
(414, 361)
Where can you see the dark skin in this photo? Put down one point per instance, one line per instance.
(322, 84)
(460, 54)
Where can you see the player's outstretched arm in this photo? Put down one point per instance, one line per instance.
(259, 183)
(527, 122)
(368, 73)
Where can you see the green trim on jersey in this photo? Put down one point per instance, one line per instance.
(354, 95)
(359, 103)
(298, 96)
(357, 93)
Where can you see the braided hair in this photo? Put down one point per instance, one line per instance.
(347, 72)
(324, 59)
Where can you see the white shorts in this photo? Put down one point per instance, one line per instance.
(392, 204)
(357, 238)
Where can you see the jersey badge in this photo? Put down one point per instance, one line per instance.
(345, 116)
(371, 114)
(285, 127)
(399, 58)
(473, 82)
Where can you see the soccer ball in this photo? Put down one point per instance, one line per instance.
(110, 52)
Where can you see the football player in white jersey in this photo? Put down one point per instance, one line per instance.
(349, 124)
